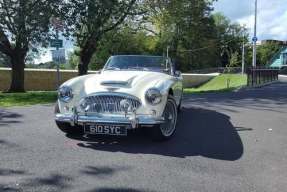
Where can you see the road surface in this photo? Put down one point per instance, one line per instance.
(225, 142)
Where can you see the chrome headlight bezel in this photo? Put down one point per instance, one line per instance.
(153, 96)
(65, 94)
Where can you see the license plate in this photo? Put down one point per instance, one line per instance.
(97, 129)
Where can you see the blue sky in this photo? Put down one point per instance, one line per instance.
(272, 19)
(272, 16)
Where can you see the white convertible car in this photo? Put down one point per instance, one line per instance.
(130, 92)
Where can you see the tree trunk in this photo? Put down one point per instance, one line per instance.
(86, 55)
(17, 74)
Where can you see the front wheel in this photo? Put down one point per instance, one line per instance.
(166, 130)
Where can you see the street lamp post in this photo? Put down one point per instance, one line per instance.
(58, 63)
(254, 39)
(167, 57)
(243, 57)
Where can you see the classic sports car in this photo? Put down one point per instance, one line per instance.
(130, 92)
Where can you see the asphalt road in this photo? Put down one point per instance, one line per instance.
(225, 142)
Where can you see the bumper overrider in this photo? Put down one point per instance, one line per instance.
(134, 120)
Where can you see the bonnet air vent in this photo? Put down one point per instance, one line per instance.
(111, 83)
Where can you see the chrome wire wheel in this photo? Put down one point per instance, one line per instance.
(170, 116)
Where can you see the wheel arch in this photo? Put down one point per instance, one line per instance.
(170, 92)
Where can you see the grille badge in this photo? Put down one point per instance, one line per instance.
(111, 89)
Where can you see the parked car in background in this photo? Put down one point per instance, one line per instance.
(131, 91)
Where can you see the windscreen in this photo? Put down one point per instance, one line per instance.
(150, 63)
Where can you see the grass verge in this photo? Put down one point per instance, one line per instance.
(220, 84)
(28, 98)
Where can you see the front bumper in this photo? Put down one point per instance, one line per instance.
(133, 120)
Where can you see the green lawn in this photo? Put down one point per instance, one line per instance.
(28, 98)
(219, 83)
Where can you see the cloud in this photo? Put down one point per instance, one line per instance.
(272, 16)
(233, 9)
(46, 57)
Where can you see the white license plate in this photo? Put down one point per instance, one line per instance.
(105, 129)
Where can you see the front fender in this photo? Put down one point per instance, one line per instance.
(174, 84)
(78, 86)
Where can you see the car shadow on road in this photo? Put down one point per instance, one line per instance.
(200, 132)
(7, 117)
(118, 190)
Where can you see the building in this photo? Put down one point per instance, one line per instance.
(279, 60)
(283, 43)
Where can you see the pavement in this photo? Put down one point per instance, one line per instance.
(224, 142)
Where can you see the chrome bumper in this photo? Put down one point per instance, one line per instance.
(133, 120)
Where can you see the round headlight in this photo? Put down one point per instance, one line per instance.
(153, 96)
(65, 94)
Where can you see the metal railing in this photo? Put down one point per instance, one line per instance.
(216, 70)
(261, 76)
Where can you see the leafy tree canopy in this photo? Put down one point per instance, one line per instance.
(266, 52)
(23, 24)
(197, 38)
(91, 19)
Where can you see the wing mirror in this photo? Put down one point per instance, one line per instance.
(177, 73)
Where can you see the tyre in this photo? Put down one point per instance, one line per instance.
(179, 105)
(166, 130)
(66, 127)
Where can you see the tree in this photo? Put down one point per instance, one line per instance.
(234, 60)
(187, 27)
(230, 37)
(73, 59)
(266, 52)
(124, 41)
(91, 19)
(196, 38)
(23, 23)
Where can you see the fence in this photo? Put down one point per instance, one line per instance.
(218, 70)
(261, 76)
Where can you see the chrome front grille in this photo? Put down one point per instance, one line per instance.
(110, 103)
